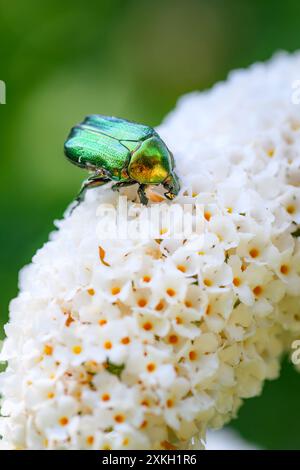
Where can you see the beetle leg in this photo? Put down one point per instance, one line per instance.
(142, 195)
(172, 185)
(92, 182)
(122, 184)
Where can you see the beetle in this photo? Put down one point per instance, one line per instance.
(121, 151)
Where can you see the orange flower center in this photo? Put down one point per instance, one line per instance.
(115, 290)
(119, 419)
(254, 253)
(105, 397)
(236, 281)
(125, 340)
(151, 367)
(77, 349)
(181, 268)
(159, 306)
(284, 269)
(148, 326)
(63, 421)
(291, 209)
(142, 302)
(171, 292)
(193, 355)
(257, 290)
(173, 339)
(90, 440)
(48, 350)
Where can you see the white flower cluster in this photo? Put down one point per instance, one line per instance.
(143, 344)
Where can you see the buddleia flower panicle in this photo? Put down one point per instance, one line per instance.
(146, 343)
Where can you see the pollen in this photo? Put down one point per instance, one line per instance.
(163, 231)
(48, 350)
(142, 302)
(107, 345)
(119, 419)
(151, 367)
(171, 292)
(63, 421)
(257, 291)
(115, 290)
(91, 291)
(146, 279)
(147, 326)
(270, 152)
(144, 424)
(105, 397)
(254, 253)
(50, 395)
(188, 304)
(170, 403)
(229, 210)
(207, 282)
(125, 441)
(179, 320)
(284, 269)
(76, 349)
(125, 340)
(181, 268)
(236, 281)
(102, 322)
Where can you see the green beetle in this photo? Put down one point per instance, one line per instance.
(122, 151)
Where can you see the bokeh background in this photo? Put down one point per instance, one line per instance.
(133, 58)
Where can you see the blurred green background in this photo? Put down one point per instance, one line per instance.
(133, 58)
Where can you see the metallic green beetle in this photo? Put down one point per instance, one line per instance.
(122, 151)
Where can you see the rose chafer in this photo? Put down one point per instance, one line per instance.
(122, 151)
